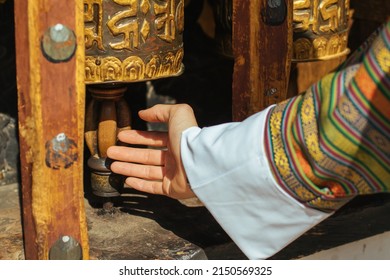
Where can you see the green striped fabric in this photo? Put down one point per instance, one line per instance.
(333, 142)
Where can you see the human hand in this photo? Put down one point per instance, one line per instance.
(159, 169)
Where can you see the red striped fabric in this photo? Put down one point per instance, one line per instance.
(333, 142)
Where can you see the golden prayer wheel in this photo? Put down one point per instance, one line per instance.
(125, 41)
(133, 40)
(320, 28)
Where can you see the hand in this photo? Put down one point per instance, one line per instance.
(156, 171)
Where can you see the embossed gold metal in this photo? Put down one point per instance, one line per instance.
(133, 40)
(320, 29)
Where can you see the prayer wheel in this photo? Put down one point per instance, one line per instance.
(320, 28)
(125, 41)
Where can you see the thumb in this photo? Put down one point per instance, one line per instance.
(157, 113)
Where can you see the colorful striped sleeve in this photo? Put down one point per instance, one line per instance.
(332, 143)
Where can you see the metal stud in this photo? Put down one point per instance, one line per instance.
(65, 248)
(58, 43)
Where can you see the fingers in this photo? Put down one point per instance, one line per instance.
(157, 113)
(148, 172)
(153, 187)
(166, 113)
(137, 155)
(158, 187)
(149, 138)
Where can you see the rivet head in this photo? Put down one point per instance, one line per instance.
(59, 33)
(58, 43)
(274, 3)
(65, 248)
(274, 13)
(61, 152)
(271, 91)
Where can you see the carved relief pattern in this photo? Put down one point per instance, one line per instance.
(133, 68)
(129, 30)
(320, 29)
(165, 20)
(93, 19)
(133, 40)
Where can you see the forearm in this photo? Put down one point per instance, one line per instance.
(264, 178)
(228, 170)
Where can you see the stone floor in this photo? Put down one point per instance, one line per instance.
(145, 227)
(11, 241)
(141, 227)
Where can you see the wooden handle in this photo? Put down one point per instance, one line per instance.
(107, 129)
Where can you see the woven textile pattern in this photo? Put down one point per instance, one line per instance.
(333, 142)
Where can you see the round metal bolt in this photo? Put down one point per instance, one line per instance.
(274, 3)
(60, 137)
(61, 151)
(65, 239)
(65, 248)
(274, 13)
(58, 43)
(60, 143)
(59, 33)
(271, 91)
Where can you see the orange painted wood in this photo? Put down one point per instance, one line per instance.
(51, 125)
(25, 108)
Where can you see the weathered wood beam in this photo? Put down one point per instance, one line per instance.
(262, 48)
(51, 94)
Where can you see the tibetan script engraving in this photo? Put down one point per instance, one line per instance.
(165, 20)
(133, 40)
(320, 15)
(329, 11)
(125, 23)
(93, 20)
(320, 29)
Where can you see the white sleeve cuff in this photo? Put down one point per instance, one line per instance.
(227, 168)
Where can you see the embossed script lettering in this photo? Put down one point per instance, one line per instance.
(319, 15)
(93, 16)
(165, 20)
(125, 23)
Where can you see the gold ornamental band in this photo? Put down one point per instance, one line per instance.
(132, 69)
(320, 48)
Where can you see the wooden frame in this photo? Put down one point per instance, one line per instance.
(51, 125)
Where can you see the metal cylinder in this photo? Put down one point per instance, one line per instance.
(320, 29)
(133, 40)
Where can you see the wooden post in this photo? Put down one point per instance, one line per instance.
(51, 91)
(262, 48)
